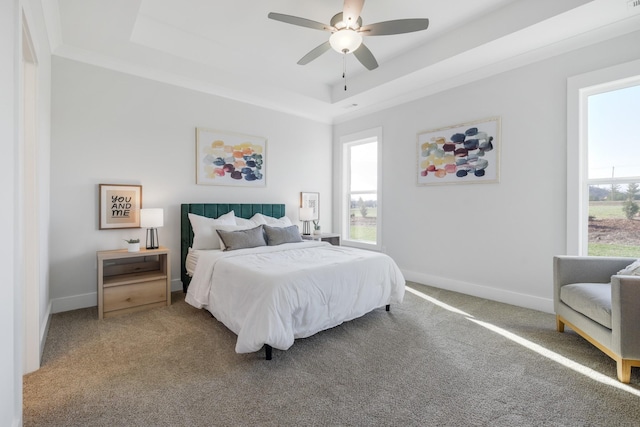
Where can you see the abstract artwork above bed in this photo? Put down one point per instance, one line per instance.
(461, 154)
(227, 158)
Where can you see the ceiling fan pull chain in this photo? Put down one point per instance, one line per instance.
(344, 68)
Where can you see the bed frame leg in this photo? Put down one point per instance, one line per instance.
(268, 350)
(388, 307)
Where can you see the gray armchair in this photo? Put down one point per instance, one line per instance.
(602, 307)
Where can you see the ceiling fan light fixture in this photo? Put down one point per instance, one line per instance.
(345, 41)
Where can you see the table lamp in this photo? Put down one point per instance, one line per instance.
(151, 219)
(306, 216)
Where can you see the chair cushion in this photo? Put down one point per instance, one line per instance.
(591, 299)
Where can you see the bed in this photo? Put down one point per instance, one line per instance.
(269, 295)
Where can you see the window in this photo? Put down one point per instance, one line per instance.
(613, 172)
(361, 197)
(603, 198)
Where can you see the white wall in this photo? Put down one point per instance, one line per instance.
(114, 128)
(492, 240)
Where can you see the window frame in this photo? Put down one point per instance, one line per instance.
(579, 88)
(346, 142)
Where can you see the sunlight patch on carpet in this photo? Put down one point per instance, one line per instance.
(437, 302)
(597, 376)
(549, 354)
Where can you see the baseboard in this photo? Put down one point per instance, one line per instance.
(75, 302)
(494, 294)
(44, 329)
(176, 285)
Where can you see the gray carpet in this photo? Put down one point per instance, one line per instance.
(421, 364)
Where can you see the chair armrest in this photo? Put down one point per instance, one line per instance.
(625, 315)
(584, 269)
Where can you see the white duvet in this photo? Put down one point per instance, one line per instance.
(275, 294)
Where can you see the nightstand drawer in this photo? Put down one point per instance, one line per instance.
(136, 294)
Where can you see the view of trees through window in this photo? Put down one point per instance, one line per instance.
(614, 226)
(362, 190)
(363, 217)
(614, 173)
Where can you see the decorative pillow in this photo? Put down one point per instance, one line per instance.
(631, 270)
(204, 234)
(231, 228)
(279, 235)
(269, 220)
(242, 239)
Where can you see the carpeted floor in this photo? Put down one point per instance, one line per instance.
(447, 361)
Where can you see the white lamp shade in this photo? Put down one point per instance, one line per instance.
(151, 218)
(345, 40)
(306, 214)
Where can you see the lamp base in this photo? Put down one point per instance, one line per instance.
(306, 228)
(152, 238)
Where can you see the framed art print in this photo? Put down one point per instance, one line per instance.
(462, 154)
(311, 200)
(227, 158)
(119, 206)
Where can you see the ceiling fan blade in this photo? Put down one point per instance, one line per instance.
(399, 26)
(351, 11)
(302, 22)
(365, 57)
(315, 53)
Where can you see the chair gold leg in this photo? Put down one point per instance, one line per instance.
(559, 324)
(624, 370)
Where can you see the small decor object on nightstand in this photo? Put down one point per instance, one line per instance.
(151, 219)
(316, 227)
(133, 245)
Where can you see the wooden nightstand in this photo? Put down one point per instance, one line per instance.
(133, 281)
(332, 238)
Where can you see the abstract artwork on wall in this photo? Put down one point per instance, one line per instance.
(461, 154)
(119, 206)
(227, 158)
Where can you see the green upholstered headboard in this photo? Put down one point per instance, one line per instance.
(214, 210)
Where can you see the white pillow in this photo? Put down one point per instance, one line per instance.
(231, 228)
(245, 222)
(204, 233)
(631, 270)
(269, 220)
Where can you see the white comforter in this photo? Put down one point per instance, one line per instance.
(275, 294)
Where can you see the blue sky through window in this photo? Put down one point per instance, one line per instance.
(614, 133)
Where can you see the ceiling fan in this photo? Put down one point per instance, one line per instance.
(347, 30)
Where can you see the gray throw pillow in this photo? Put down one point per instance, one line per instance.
(242, 239)
(279, 235)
